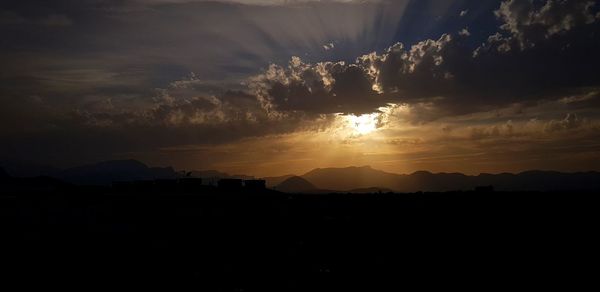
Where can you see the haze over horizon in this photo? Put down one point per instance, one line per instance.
(270, 87)
(31, 169)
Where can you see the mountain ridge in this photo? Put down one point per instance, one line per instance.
(340, 179)
(295, 184)
(536, 180)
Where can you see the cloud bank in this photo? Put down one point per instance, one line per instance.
(145, 77)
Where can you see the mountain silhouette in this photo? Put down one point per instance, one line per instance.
(350, 178)
(296, 184)
(102, 173)
(363, 179)
(356, 178)
(17, 168)
(212, 177)
(105, 173)
(217, 174)
(273, 181)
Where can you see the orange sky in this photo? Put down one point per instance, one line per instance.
(395, 145)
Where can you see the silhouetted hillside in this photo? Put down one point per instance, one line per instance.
(356, 178)
(209, 173)
(28, 169)
(345, 179)
(272, 181)
(296, 184)
(213, 176)
(3, 174)
(104, 173)
(351, 178)
(427, 181)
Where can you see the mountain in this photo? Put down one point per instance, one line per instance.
(350, 178)
(104, 173)
(296, 184)
(217, 174)
(273, 181)
(211, 177)
(27, 169)
(321, 180)
(543, 180)
(438, 182)
(361, 178)
(209, 173)
(34, 183)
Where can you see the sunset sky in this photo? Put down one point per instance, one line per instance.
(271, 87)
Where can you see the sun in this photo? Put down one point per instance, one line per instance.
(363, 124)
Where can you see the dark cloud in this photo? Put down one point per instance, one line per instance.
(94, 78)
(324, 88)
(529, 23)
(70, 137)
(80, 50)
(451, 76)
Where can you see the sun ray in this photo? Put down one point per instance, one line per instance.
(363, 124)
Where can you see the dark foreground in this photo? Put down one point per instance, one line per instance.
(256, 241)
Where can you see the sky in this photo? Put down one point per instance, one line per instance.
(273, 87)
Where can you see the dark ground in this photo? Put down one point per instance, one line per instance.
(261, 240)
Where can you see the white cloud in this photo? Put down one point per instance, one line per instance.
(329, 46)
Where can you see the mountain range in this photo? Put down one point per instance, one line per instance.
(102, 173)
(361, 179)
(350, 179)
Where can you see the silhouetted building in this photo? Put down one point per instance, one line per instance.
(255, 184)
(484, 189)
(230, 183)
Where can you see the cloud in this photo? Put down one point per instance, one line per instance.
(117, 78)
(12, 19)
(528, 24)
(588, 99)
(570, 122)
(450, 77)
(57, 20)
(329, 46)
(253, 2)
(322, 88)
(436, 77)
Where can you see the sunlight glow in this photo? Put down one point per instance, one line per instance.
(363, 124)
